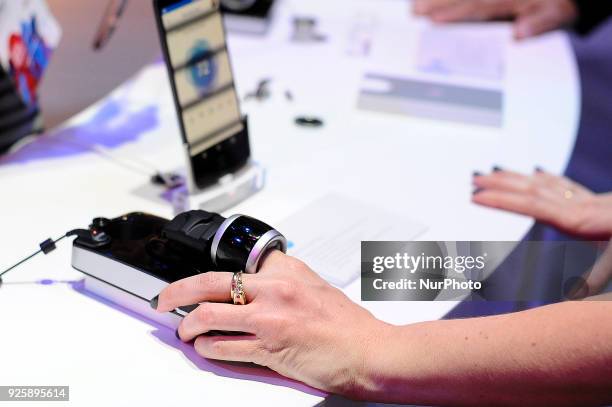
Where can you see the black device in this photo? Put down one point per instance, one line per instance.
(140, 253)
(129, 260)
(256, 8)
(214, 132)
(248, 16)
(17, 119)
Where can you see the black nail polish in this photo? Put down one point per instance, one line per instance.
(177, 335)
(477, 174)
(497, 169)
(539, 169)
(154, 302)
(477, 191)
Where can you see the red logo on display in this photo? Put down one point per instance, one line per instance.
(28, 58)
(20, 68)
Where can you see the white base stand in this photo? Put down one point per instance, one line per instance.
(130, 302)
(230, 190)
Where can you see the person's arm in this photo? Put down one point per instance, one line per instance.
(558, 355)
(307, 330)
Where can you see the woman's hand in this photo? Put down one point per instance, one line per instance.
(299, 325)
(465, 10)
(533, 17)
(547, 198)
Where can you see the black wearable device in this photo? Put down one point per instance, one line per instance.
(140, 253)
(129, 260)
(233, 244)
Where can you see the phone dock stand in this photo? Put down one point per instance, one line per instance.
(231, 189)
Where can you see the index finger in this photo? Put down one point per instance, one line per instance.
(208, 287)
(518, 203)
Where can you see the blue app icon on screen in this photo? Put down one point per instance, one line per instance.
(203, 68)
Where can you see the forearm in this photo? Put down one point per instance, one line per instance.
(556, 355)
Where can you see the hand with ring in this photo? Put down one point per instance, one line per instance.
(297, 324)
(555, 200)
(307, 330)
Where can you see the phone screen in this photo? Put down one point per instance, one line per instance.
(201, 72)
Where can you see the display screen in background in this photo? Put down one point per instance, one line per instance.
(202, 73)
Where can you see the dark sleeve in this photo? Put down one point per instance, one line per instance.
(592, 13)
(16, 119)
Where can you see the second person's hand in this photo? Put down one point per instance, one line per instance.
(556, 200)
(532, 17)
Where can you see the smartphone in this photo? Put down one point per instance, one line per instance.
(213, 129)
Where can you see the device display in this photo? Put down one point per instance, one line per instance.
(195, 50)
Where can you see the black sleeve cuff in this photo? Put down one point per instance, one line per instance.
(591, 13)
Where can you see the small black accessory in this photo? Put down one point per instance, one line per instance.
(305, 121)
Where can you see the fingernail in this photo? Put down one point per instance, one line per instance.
(477, 191)
(477, 174)
(497, 169)
(539, 169)
(176, 333)
(154, 302)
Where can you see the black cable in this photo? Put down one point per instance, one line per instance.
(46, 247)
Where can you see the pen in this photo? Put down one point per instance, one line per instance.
(111, 17)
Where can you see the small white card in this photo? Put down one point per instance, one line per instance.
(327, 235)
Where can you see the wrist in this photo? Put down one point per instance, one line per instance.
(372, 368)
(397, 366)
(595, 219)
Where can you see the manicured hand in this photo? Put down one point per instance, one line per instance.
(547, 198)
(298, 325)
(444, 11)
(532, 17)
(535, 17)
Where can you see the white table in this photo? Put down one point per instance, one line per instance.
(51, 334)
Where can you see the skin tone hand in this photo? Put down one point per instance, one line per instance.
(299, 325)
(532, 17)
(307, 330)
(548, 198)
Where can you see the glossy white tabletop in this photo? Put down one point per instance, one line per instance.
(55, 335)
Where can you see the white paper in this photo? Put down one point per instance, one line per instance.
(327, 235)
(463, 50)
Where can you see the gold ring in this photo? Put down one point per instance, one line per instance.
(569, 194)
(237, 290)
